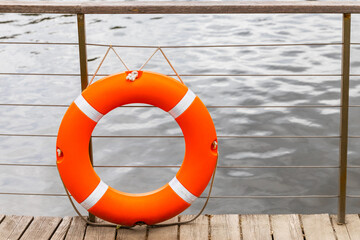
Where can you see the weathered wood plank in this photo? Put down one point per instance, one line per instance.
(76, 230)
(100, 233)
(196, 230)
(225, 227)
(340, 230)
(164, 233)
(318, 227)
(62, 229)
(180, 7)
(136, 233)
(41, 228)
(353, 226)
(286, 227)
(256, 227)
(12, 227)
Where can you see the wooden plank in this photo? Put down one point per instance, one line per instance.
(225, 227)
(256, 227)
(41, 228)
(135, 233)
(12, 227)
(164, 233)
(286, 227)
(341, 232)
(76, 230)
(62, 229)
(198, 229)
(99, 233)
(353, 226)
(179, 7)
(318, 227)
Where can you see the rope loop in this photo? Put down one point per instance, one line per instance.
(110, 47)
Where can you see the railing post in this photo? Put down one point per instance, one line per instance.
(344, 113)
(84, 73)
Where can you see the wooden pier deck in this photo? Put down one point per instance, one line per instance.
(245, 227)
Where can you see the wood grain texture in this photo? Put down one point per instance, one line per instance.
(286, 227)
(62, 229)
(196, 230)
(76, 230)
(41, 228)
(164, 233)
(179, 7)
(353, 226)
(12, 227)
(136, 233)
(225, 227)
(318, 227)
(100, 233)
(340, 230)
(256, 227)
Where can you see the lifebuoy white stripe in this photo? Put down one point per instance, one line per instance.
(95, 196)
(181, 191)
(184, 103)
(87, 109)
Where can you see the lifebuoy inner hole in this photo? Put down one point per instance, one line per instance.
(146, 156)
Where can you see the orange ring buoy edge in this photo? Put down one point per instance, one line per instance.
(127, 209)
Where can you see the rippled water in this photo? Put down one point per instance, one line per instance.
(214, 91)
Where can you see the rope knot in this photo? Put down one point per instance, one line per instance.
(132, 76)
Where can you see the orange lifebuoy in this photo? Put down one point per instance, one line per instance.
(126, 208)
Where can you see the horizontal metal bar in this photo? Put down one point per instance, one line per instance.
(45, 74)
(177, 46)
(221, 45)
(179, 7)
(214, 197)
(162, 166)
(161, 136)
(276, 196)
(182, 75)
(353, 196)
(239, 136)
(209, 106)
(280, 166)
(38, 43)
(34, 194)
(32, 105)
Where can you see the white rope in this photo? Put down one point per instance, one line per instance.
(120, 58)
(171, 66)
(102, 61)
(149, 59)
(168, 61)
(92, 79)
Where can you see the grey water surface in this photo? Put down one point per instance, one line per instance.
(275, 89)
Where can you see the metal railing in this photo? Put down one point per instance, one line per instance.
(80, 9)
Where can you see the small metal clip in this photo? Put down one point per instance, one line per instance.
(214, 145)
(59, 152)
(132, 76)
